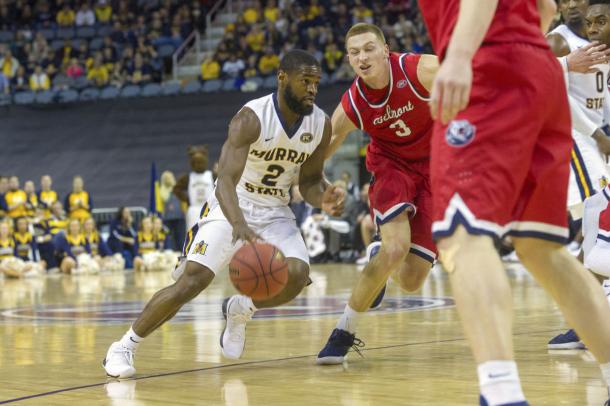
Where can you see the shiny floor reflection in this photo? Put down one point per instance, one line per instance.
(55, 331)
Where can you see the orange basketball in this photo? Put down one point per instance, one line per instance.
(259, 270)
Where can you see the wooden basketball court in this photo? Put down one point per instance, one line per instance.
(54, 332)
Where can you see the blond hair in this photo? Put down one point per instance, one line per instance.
(363, 28)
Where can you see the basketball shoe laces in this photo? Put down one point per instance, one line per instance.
(358, 343)
(238, 325)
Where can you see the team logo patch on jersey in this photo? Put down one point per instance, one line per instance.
(201, 248)
(401, 84)
(306, 138)
(460, 133)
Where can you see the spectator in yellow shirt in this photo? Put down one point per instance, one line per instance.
(333, 57)
(255, 39)
(103, 12)
(78, 202)
(65, 17)
(8, 64)
(271, 11)
(98, 74)
(39, 80)
(46, 196)
(210, 69)
(15, 199)
(252, 13)
(269, 62)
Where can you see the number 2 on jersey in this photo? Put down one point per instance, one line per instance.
(273, 172)
(401, 129)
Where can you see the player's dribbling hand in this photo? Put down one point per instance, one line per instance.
(451, 88)
(333, 200)
(244, 233)
(583, 59)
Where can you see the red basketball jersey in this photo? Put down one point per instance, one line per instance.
(515, 21)
(396, 118)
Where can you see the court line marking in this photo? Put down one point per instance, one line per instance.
(247, 363)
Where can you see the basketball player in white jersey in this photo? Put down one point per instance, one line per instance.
(589, 97)
(274, 142)
(200, 186)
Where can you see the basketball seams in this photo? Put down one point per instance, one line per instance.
(272, 271)
(255, 277)
(261, 265)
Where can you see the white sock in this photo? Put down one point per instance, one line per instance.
(131, 340)
(499, 382)
(246, 303)
(349, 320)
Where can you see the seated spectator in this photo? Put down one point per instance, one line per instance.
(255, 39)
(66, 53)
(103, 12)
(66, 16)
(74, 70)
(98, 74)
(46, 231)
(145, 243)
(39, 80)
(233, 67)
(252, 13)
(44, 18)
(403, 27)
(5, 85)
(15, 199)
(109, 58)
(8, 64)
(118, 77)
(85, 16)
(352, 189)
(252, 67)
(25, 244)
(20, 82)
(83, 53)
(333, 57)
(361, 13)
(98, 249)
(122, 238)
(141, 72)
(145, 48)
(173, 216)
(160, 233)
(210, 69)
(50, 63)
(46, 196)
(78, 202)
(271, 11)
(31, 199)
(269, 62)
(70, 246)
(10, 264)
(40, 47)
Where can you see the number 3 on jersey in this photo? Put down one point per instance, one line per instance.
(401, 129)
(273, 172)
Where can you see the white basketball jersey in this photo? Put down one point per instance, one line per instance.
(201, 186)
(588, 90)
(275, 158)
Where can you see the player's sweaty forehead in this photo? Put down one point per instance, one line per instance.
(597, 11)
(308, 71)
(359, 41)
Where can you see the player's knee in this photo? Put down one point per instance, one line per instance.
(298, 272)
(194, 279)
(411, 278)
(395, 252)
(530, 250)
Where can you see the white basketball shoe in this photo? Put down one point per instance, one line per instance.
(233, 337)
(119, 361)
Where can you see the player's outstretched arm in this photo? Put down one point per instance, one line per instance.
(313, 187)
(426, 70)
(341, 127)
(451, 89)
(244, 129)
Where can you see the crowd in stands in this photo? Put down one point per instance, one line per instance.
(39, 231)
(254, 44)
(59, 44)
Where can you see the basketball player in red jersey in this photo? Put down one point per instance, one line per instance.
(389, 101)
(500, 165)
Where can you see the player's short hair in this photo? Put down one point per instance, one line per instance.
(296, 59)
(595, 2)
(362, 28)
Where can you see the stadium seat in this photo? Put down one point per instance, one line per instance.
(6, 36)
(68, 96)
(130, 91)
(257, 80)
(81, 82)
(110, 92)
(228, 85)
(45, 97)
(57, 44)
(165, 51)
(89, 94)
(170, 88)
(211, 86)
(151, 89)
(96, 43)
(192, 87)
(26, 97)
(65, 33)
(270, 82)
(85, 32)
(48, 33)
(104, 30)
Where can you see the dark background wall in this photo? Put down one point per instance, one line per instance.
(113, 143)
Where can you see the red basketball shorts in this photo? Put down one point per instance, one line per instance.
(397, 186)
(502, 166)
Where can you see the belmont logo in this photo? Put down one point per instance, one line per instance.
(391, 114)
